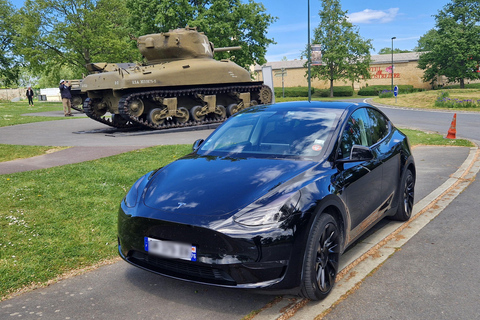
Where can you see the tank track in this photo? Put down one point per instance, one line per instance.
(80, 108)
(124, 101)
(87, 109)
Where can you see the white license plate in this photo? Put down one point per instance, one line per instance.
(170, 249)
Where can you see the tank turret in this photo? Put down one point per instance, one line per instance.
(180, 84)
(175, 45)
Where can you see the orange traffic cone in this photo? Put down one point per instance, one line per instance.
(452, 132)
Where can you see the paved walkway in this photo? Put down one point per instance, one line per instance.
(88, 139)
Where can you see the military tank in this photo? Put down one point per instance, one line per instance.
(79, 97)
(181, 84)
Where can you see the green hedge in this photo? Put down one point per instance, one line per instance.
(457, 86)
(377, 89)
(293, 92)
(341, 91)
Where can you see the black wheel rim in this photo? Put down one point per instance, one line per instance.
(326, 263)
(408, 194)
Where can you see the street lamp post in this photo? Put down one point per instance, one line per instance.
(392, 60)
(309, 55)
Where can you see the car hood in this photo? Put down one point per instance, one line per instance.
(214, 186)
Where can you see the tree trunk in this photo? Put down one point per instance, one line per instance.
(462, 83)
(331, 88)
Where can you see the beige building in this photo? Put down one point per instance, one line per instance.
(405, 72)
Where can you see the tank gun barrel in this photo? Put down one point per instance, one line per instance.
(227, 49)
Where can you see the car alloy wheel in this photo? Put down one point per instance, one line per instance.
(321, 260)
(405, 207)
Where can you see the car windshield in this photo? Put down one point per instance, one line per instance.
(273, 132)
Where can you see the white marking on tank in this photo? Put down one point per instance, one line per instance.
(206, 45)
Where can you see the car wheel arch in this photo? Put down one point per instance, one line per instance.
(333, 206)
(409, 165)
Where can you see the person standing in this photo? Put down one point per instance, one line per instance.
(65, 88)
(30, 96)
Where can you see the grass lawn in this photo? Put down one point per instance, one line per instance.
(11, 113)
(13, 152)
(60, 219)
(426, 99)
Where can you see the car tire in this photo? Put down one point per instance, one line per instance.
(407, 194)
(322, 254)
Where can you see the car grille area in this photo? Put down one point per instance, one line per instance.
(181, 269)
(232, 275)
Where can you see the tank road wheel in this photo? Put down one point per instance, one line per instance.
(77, 101)
(182, 115)
(322, 254)
(220, 112)
(265, 95)
(155, 117)
(233, 108)
(135, 107)
(99, 108)
(196, 113)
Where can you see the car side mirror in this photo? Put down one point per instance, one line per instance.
(358, 153)
(197, 144)
(361, 153)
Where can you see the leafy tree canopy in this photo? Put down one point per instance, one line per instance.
(345, 54)
(9, 66)
(454, 46)
(388, 50)
(58, 35)
(225, 22)
(427, 41)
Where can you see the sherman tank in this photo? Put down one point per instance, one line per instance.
(78, 97)
(181, 84)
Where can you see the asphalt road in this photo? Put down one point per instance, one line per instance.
(468, 123)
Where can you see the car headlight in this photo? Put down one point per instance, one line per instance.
(264, 214)
(131, 198)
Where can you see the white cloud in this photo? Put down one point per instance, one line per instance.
(372, 16)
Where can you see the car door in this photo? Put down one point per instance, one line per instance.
(387, 154)
(360, 182)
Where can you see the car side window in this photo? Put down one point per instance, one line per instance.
(379, 125)
(356, 132)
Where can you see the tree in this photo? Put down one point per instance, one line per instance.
(9, 67)
(225, 22)
(427, 41)
(345, 55)
(388, 50)
(454, 46)
(56, 34)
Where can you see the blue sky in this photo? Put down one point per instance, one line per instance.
(407, 20)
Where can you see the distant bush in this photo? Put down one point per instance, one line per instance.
(377, 89)
(340, 91)
(443, 101)
(386, 94)
(293, 92)
(467, 86)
